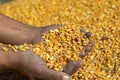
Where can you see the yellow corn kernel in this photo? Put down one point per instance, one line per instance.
(66, 43)
(4, 49)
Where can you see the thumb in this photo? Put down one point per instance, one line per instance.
(49, 74)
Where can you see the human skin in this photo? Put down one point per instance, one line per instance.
(29, 65)
(14, 32)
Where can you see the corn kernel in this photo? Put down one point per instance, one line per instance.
(63, 44)
(4, 49)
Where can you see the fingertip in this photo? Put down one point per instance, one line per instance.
(76, 66)
(61, 76)
(88, 34)
(73, 66)
(88, 49)
(69, 67)
(66, 77)
(49, 74)
(82, 54)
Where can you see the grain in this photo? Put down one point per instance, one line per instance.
(101, 17)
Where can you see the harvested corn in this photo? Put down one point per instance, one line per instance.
(101, 17)
(4, 49)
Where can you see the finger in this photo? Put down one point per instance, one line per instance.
(72, 67)
(69, 67)
(77, 66)
(88, 34)
(88, 48)
(48, 74)
(82, 54)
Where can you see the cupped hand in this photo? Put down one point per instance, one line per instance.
(41, 70)
(70, 68)
(34, 67)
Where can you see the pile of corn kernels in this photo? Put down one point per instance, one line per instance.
(101, 17)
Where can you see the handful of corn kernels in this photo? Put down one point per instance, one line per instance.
(61, 45)
(58, 47)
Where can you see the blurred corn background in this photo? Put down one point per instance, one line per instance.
(4, 1)
(101, 17)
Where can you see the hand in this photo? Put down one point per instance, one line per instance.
(30, 65)
(34, 67)
(27, 62)
(72, 66)
(41, 70)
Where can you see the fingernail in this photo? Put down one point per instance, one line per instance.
(88, 49)
(69, 67)
(78, 64)
(82, 54)
(88, 34)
